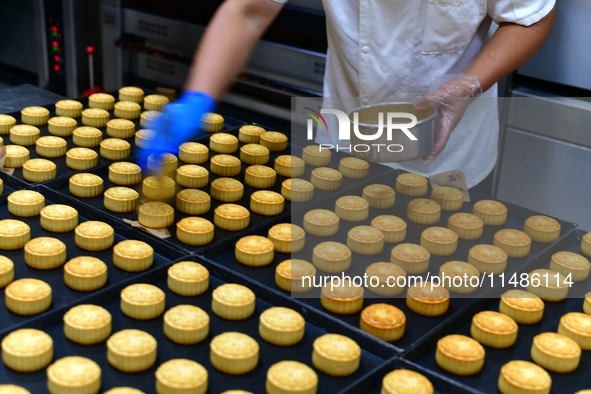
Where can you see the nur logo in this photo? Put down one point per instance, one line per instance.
(344, 122)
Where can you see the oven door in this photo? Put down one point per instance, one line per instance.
(155, 51)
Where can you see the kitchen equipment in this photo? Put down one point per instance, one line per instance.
(151, 44)
(375, 142)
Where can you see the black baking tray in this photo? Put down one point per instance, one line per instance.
(62, 186)
(136, 154)
(418, 327)
(218, 382)
(63, 295)
(441, 384)
(486, 380)
(11, 183)
(515, 219)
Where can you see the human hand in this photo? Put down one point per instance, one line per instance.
(450, 100)
(180, 122)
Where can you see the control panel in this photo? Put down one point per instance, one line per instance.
(55, 43)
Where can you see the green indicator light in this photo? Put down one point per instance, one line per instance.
(56, 49)
(54, 34)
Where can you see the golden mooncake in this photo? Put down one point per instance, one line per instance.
(383, 321)
(188, 278)
(25, 203)
(413, 185)
(27, 350)
(297, 190)
(404, 381)
(423, 211)
(460, 355)
(522, 306)
(449, 198)
(131, 350)
(250, 134)
(281, 326)
(186, 324)
(542, 229)
(354, 168)
(181, 375)
(494, 329)
(289, 166)
(336, 355)
(316, 156)
(51, 147)
(85, 273)
(379, 196)
(324, 178)
(233, 301)
(287, 237)
(344, 298)
(87, 324)
(518, 376)
(234, 353)
(492, 213)
(294, 275)
(555, 352)
(142, 301)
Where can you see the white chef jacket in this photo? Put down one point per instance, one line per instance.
(384, 49)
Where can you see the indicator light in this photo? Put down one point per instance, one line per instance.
(55, 49)
(53, 28)
(55, 44)
(57, 67)
(54, 35)
(57, 58)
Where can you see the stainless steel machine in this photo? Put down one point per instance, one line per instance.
(546, 149)
(151, 43)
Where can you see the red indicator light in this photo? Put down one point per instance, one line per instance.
(54, 28)
(55, 44)
(57, 67)
(57, 58)
(59, 35)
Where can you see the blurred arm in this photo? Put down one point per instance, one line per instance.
(228, 42)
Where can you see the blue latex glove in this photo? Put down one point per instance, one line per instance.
(180, 122)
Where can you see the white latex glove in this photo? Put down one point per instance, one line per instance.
(450, 100)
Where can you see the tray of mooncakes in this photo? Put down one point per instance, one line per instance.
(202, 197)
(77, 135)
(535, 329)
(191, 324)
(327, 240)
(54, 255)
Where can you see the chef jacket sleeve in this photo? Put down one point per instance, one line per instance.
(522, 12)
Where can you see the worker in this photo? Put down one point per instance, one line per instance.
(379, 49)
